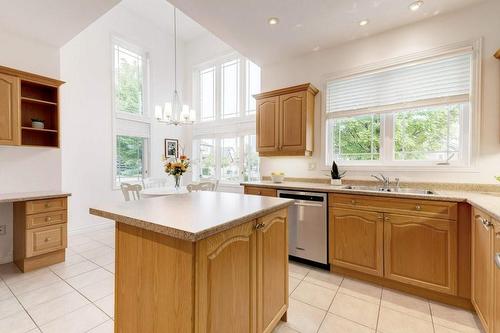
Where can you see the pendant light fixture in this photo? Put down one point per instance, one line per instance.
(175, 113)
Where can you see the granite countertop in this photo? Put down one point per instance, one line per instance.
(191, 216)
(25, 196)
(488, 202)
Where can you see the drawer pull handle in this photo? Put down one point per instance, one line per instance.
(47, 239)
(418, 207)
(48, 219)
(353, 202)
(486, 224)
(260, 226)
(380, 217)
(497, 260)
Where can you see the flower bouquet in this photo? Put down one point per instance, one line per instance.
(177, 167)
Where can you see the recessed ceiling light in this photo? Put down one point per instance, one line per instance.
(316, 48)
(273, 20)
(363, 23)
(299, 25)
(415, 5)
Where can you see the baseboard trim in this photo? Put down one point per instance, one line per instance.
(7, 259)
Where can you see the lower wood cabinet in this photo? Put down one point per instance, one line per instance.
(421, 251)
(356, 240)
(496, 277)
(482, 267)
(242, 277)
(267, 192)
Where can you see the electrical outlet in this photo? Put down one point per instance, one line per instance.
(3, 229)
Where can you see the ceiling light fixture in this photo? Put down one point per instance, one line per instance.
(363, 23)
(316, 48)
(273, 20)
(415, 5)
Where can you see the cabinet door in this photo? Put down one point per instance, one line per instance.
(482, 264)
(496, 277)
(293, 113)
(226, 281)
(421, 251)
(272, 268)
(267, 124)
(356, 240)
(9, 110)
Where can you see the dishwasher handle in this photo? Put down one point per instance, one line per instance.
(307, 204)
(497, 259)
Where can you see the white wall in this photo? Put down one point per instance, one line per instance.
(470, 23)
(24, 169)
(87, 100)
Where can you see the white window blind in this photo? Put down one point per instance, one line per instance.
(436, 81)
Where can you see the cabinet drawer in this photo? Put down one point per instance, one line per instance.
(430, 208)
(268, 192)
(45, 219)
(46, 205)
(45, 239)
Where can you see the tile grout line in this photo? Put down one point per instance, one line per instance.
(329, 306)
(379, 309)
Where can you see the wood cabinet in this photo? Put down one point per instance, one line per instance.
(23, 97)
(421, 251)
(285, 121)
(40, 232)
(482, 267)
(356, 240)
(267, 192)
(496, 277)
(233, 281)
(9, 110)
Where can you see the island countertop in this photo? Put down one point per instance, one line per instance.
(191, 216)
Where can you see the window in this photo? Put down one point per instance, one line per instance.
(131, 123)
(130, 158)
(230, 89)
(416, 112)
(229, 158)
(252, 85)
(224, 88)
(207, 94)
(129, 80)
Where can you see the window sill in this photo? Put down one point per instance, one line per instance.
(405, 168)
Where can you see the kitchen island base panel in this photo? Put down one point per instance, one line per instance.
(413, 290)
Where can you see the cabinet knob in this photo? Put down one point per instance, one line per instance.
(353, 202)
(47, 239)
(260, 226)
(418, 207)
(48, 218)
(380, 217)
(258, 192)
(47, 205)
(387, 218)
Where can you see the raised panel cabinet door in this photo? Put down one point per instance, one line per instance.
(496, 277)
(421, 251)
(482, 265)
(267, 124)
(272, 270)
(293, 113)
(226, 281)
(9, 110)
(356, 240)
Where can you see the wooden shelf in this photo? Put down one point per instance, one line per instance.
(39, 129)
(38, 101)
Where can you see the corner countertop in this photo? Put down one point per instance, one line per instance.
(26, 196)
(488, 202)
(191, 216)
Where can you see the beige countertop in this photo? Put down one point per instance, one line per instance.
(25, 196)
(191, 216)
(489, 202)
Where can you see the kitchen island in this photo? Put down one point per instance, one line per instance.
(200, 262)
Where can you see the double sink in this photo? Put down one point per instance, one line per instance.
(389, 189)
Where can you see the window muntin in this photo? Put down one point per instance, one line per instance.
(207, 94)
(250, 159)
(130, 158)
(129, 78)
(427, 96)
(252, 86)
(230, 159)
(230, 89)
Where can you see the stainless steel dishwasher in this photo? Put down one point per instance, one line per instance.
(308, 226)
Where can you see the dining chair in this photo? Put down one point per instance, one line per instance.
(154, 182)
(203, 186)
(131, 191)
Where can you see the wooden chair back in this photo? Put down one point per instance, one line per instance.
(131, 191)
(203, 186)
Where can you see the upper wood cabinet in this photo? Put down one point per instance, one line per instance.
(9, 110)
(482, 267)
(285, 121)
(421, 251)
(23, 97)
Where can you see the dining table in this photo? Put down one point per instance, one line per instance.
(163, 191)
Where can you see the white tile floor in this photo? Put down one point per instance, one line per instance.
(77, 296)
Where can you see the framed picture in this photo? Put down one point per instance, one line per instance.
(171, 148)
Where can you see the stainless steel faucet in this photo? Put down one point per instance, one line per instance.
(384, 180)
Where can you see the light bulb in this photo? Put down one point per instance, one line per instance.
(158, 112)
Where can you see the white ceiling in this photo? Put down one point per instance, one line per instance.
(304, 24)
(54, 22)
(160, 13)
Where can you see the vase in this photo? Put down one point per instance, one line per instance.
(177, 181)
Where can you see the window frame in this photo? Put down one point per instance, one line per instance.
(470, 132)
(126, 124)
